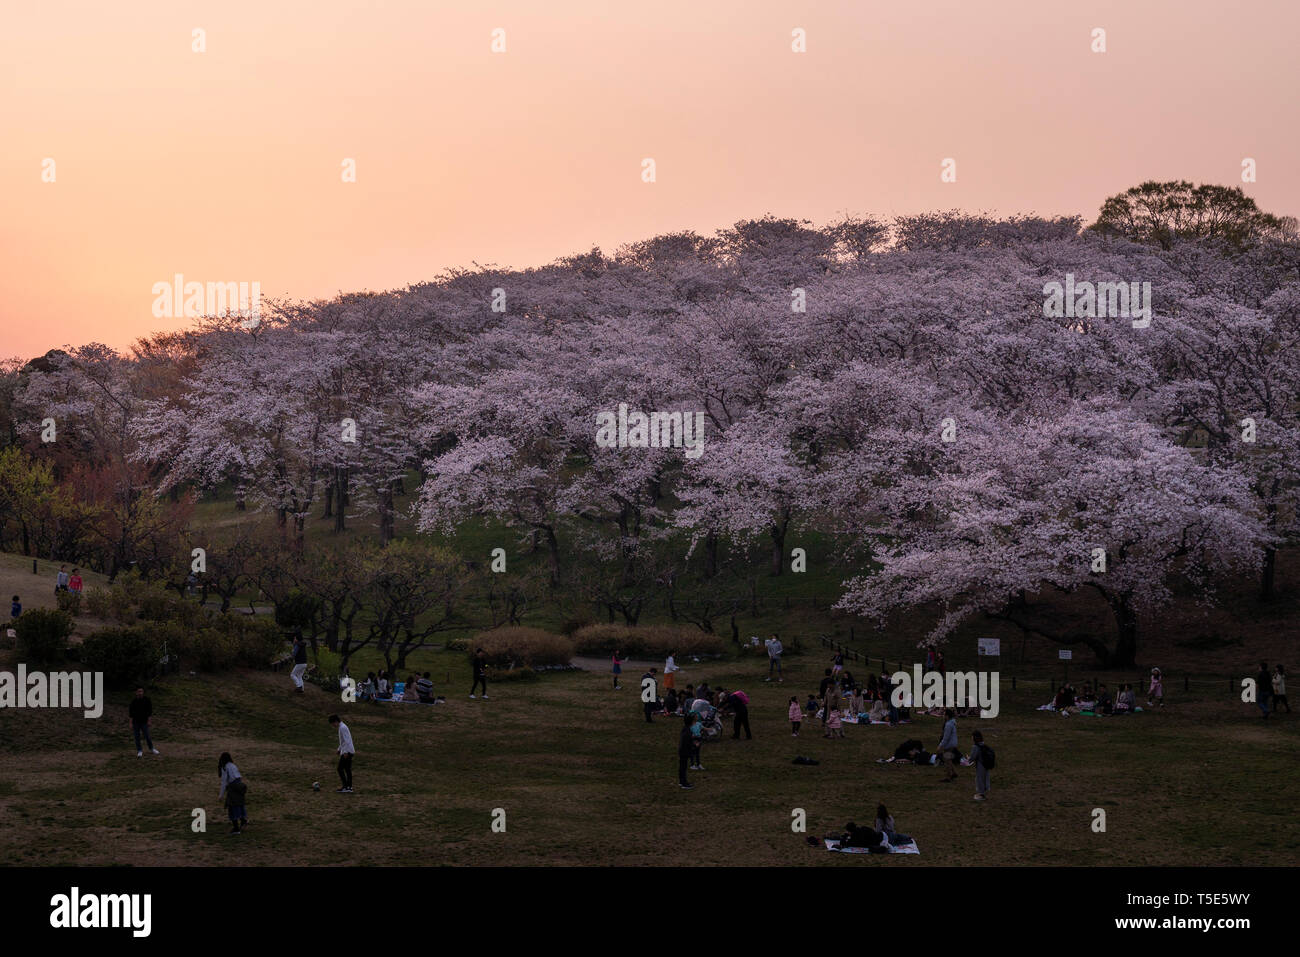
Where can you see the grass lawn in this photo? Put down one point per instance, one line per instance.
(583, 780)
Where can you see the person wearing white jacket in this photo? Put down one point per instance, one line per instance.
(346, 751)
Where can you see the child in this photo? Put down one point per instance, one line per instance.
(618, 669)
(811, 706)
(74, 583)
(1156, 693)
(16, 608)
(796, 716)
(837, 662)
(697, 736)
(834, 724)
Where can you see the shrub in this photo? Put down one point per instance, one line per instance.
(69, 601)
(457, 644)
(125, 655)
(646, 640)
(256, 641)
(43, 635)
(573, 625)
(522, 646)
(498, 675)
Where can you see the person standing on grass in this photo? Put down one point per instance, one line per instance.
(480, 673)
(234, 791)
(75, 583)
(15, 609)
(670, 671)
(774, 650)
(299, 662)
(140, 712)
(796, 716)
(696, 721)
(737, 702)
(980, 757)
(949, 750)
(618, 670)
(653, 688)
(1263, 687)
(61, 579)
(1156, 692)
(685, 748)
(346, 751)
(1279, 689)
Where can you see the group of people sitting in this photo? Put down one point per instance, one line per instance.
(380, 687)
(840, 695)
(1067, 701)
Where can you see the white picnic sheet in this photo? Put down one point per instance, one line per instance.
(834, 845)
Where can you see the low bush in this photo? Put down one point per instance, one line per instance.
(522, 646)
(69, 601)
(498, 675)
(43, 635)
(646, 641)
(126, 656)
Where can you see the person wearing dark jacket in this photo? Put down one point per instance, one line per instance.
(736, 704)
(685, 749)
(140, 711)
(1263, 687)
(651, 689)
(480, 673)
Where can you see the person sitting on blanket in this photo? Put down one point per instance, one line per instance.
(1126, 700)
(1104, 705)
(366, 690)
(878, 711)
(857, 704)
(670, 701)
(903, 752)
(424, 689)
(885, 825)
(382, 688)
(409, 692)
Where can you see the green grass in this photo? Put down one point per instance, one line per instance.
(583, 779)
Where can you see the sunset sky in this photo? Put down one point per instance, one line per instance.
(225, 165)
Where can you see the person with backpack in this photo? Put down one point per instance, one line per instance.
(234, 792)
(299, 663)
(982, 757)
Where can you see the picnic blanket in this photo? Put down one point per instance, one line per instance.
(834, 845)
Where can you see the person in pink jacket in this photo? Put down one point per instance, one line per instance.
(796, 716)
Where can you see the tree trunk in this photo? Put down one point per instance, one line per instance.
(386, 515)
(1126, 620)
(1268, 577)
(710, 555)
(341, 498)
(329, 500)
(778, 548)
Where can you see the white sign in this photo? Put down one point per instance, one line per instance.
(990, 646)
(1065, 654)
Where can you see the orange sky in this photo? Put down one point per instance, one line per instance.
(225, 165)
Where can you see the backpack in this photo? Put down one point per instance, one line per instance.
(987, 757)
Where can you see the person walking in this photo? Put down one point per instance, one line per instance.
(1279, 689)
(234, 791)
(981, 756)
(774, 650)
(299, 662)
(346, 751)
(618, 670)
(685, 749)
(1263, 687)
(140, 712)
(480, 673)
